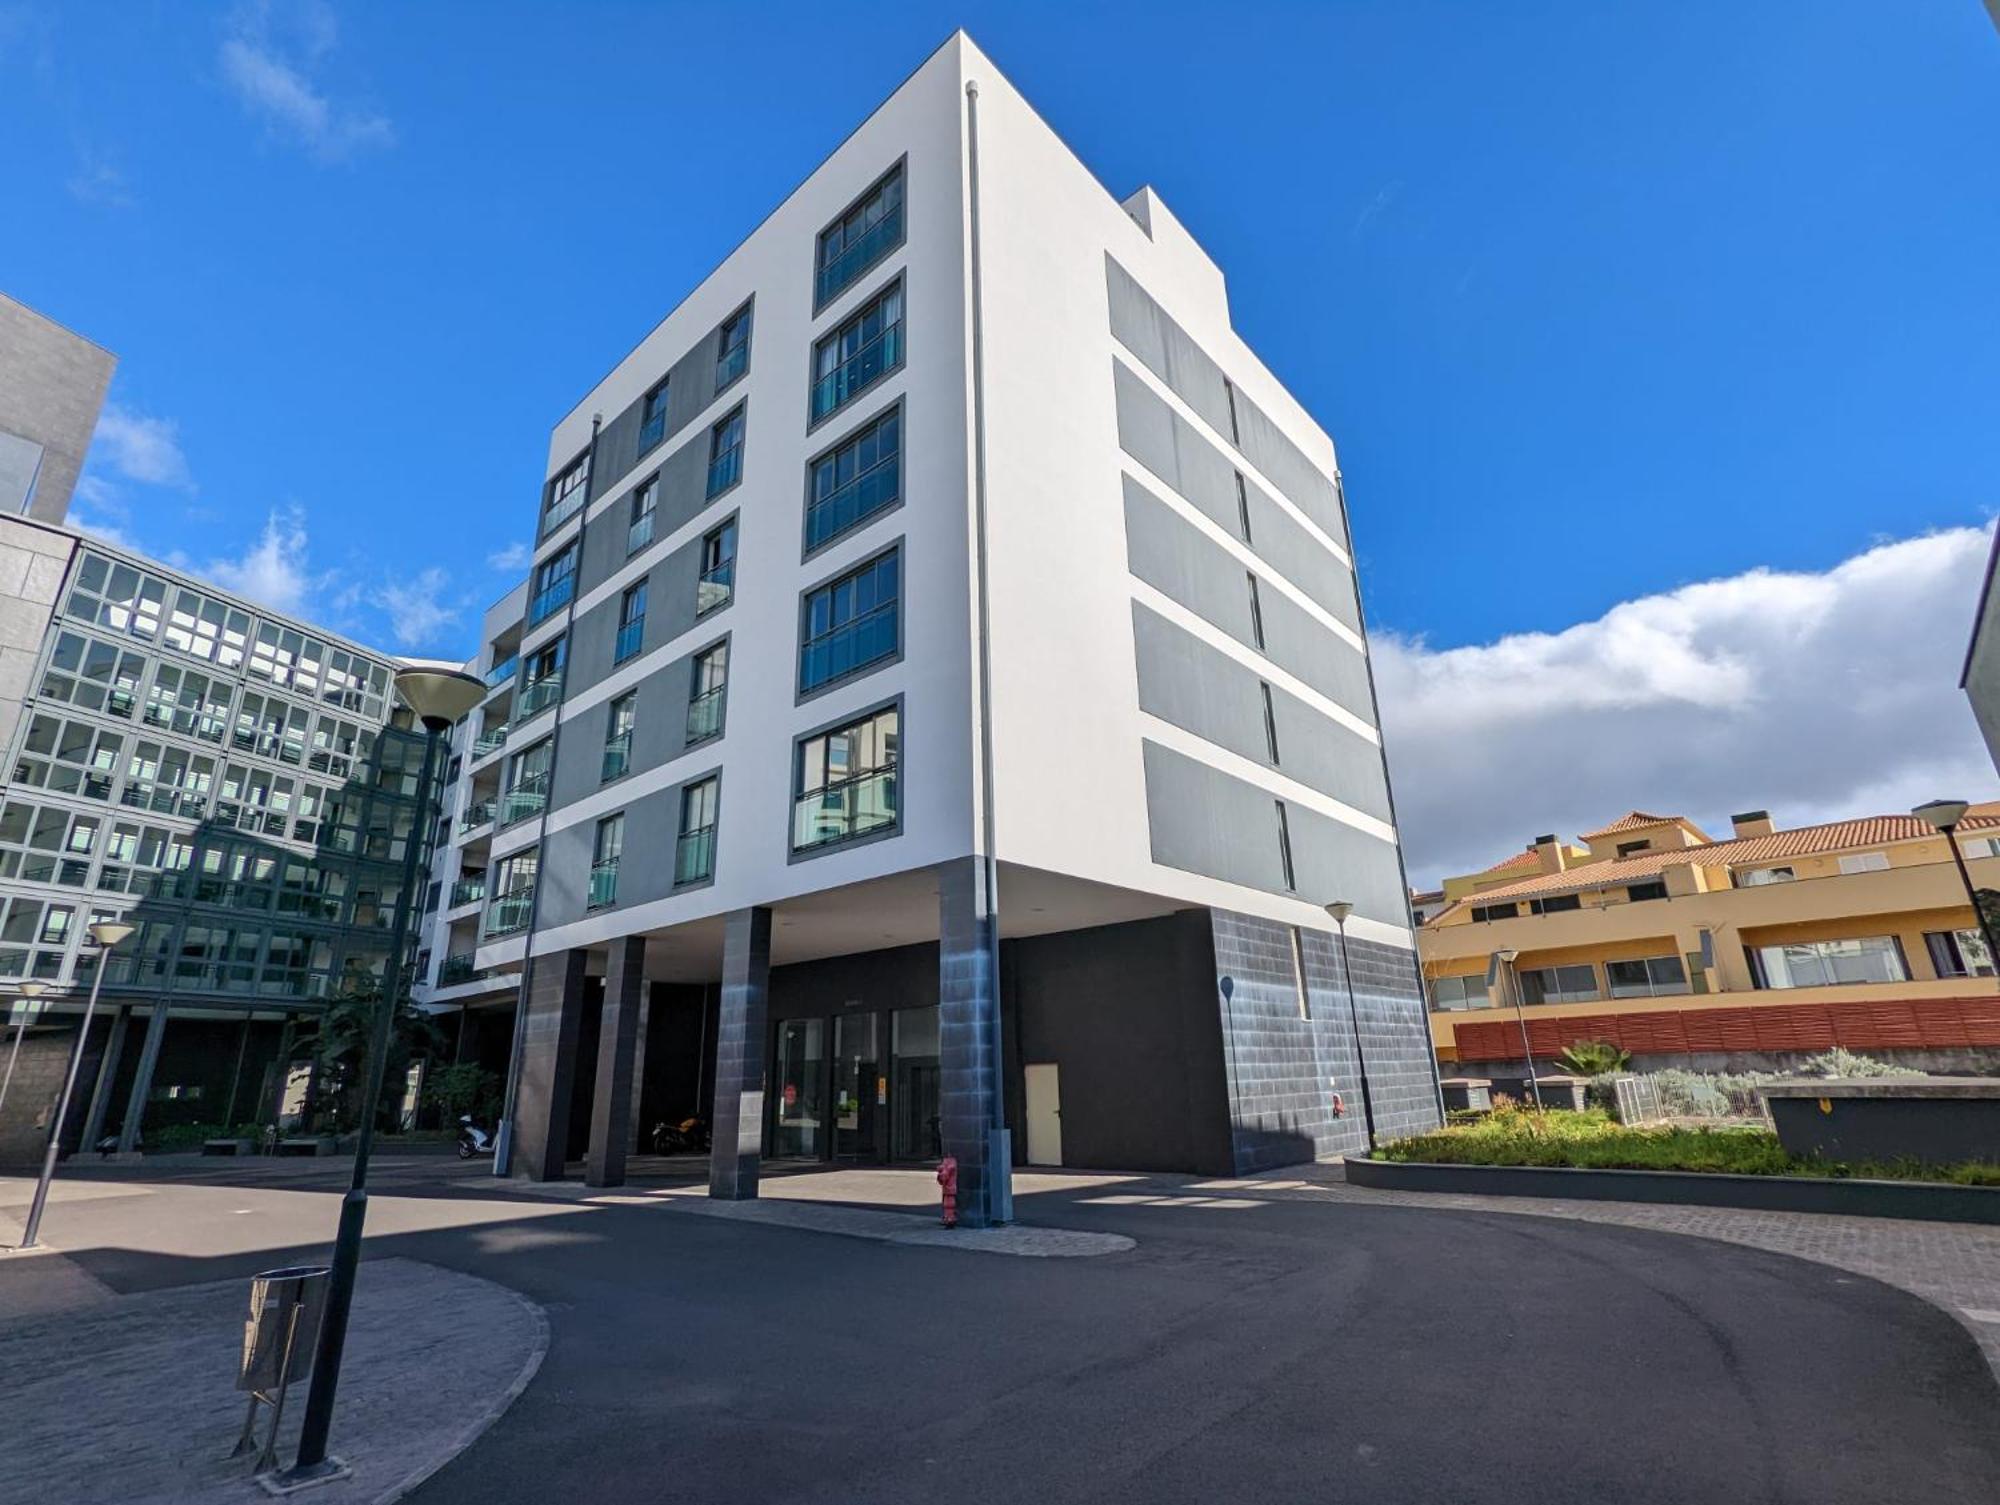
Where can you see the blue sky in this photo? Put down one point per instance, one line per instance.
(1599, 300)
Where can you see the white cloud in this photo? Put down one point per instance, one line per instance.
(141, 448)
(268, 60)
(514, 557)
(418, 612)
(99, 183)
(275, 569)
(1817, 696)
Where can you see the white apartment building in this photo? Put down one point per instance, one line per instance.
(947, 528)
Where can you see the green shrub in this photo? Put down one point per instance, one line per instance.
(170, 1139)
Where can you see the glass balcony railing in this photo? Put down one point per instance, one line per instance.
(480, 814)
(604, 884)
(871, 362)
(456, 969)
(653, 430)
(517, 805)
(858, 255)
(630, 637)
(617, 756)
(552, 598)
(468, 891)
(705, 714)
(833, 514)
(725, 470)
(732, 364)
(639, 533)
(490, 741)
(849, 648)
(563, 508)
(539, 696)
(839, 812)
(715, 589)
(508, 912)
(501, 672)
(694, 856)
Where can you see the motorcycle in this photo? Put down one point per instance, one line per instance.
(472, 1140)
(688, 1137)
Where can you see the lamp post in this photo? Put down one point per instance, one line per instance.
(30, 991)
(107, 934)
(1506, 960)
(437, 695)
(1339, 910)
(1944, 816)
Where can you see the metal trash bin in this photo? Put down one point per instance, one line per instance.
(279, 1340)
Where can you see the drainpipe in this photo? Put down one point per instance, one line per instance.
(503, 1139)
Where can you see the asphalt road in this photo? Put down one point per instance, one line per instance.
(1285, 1350)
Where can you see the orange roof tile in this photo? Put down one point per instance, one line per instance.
(1633, 820)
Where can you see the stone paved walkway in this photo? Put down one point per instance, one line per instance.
(131, 1399)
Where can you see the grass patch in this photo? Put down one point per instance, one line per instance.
(1592, 1140)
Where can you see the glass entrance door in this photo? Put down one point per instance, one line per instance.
(798, 1114)
(915, 1090)
(860, 1089)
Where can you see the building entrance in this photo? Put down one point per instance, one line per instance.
(859, 1087)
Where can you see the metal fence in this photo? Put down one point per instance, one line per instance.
(1675, 1096)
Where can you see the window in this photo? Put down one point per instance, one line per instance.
(860, 353)
(1648, 977)
(849, 624)
(718, 570)
(1757, 877)
(1555, 904)
(855, 480)
(1627, 848)
(1495, 911)
(555, 584)
(527, 783)
(566, 494)
(1299, 975)
(1865, 862)
(1981, 846)
(645, 504)
(1636, 892)
(618, 735)
(694, 853)
(1574, 984)
(1959, 953)
(845, 782)
(605, 852)
(1815, 964)
(653, 419)
(1452, 993)
(631, 623)
(732, 356)
(870, 229)
(706, 688)
(513, 895)
(725, 454)
(542, 679)
(1285, 846)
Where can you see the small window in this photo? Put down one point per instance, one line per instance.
(1627, 848)
(606, 849)
(725, 454)
(869, 230)
(645, 507)
(846, 782)
(1757, 877)
(1555, 904)
(1495, 911)
(707, 686)
(1865, 862)
(851, 483)
(1285, 847)
(623, 715)
(653, 419)
(694, 853)
(732, 357)
(631, 623)
(850, 623)
(866, 348)
(1637, 892)
(717, 586)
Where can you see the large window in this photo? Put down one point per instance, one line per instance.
(706, 688)
(846, 782)
(868, 231)
(855, 480)
(694, 852)
(717, 586)
(849, 623)
(631, 623)
(513, 894)
(567, 493)
(725, 454)
(1467, 992)
(858, 354)
(624, 714)
(1959, 953)
(606, 849)
(732, 355)
(1647, 977)
(1573, 984)
(555, 583)
(1816, 964)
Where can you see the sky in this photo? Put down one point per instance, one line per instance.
(1661, 343)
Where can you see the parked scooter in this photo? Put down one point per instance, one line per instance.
(688, 1137)
(472, 1140)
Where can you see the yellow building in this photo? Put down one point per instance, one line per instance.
(1746, 951)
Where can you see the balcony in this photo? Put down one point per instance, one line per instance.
(480, 814)
(857, 257)
(862, 369)
(705, 715)
(833, 514)
(840, 812)
(508, 913)
(456, 969)
(468, 891)
(725, 470)
(617, 757)
(653, 430)
(604, 884)
(517, 805)
(694, 856)
(552, 598)
(734, 362)
(639, 534)
(716, 588)
(563, 508)
(501, 672)
(539, 696)
(489, 742)
(630, 637)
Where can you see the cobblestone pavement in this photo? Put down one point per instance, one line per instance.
(130, 1398)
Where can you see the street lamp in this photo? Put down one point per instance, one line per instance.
(29, 991)
(1339, 910)
(107, 934)
(1505, 959)
(438, 695)
(1945, 815)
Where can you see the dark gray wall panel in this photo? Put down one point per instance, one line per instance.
(1168, 445)
(1146, 329)
(670, 611)
(690, 389)
(1173, 557)
(1302, 559)
(1301, 644)
(1333, 860)
(1324, 755)
(1307, 486)
(645, 869)
(1203, 821)
(659, 735)
(683, 493)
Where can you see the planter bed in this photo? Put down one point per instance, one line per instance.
(1936, 1201)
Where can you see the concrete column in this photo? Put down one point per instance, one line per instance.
(107, 1074)
(968, 1000)
(637, 1116)
(611, 1116)
(142, 1080)
(548, 1065)
(283, 1069)
(738, 1118)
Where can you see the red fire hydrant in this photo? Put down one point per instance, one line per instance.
(947, 1178)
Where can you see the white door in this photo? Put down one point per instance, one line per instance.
(1044, 1115)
